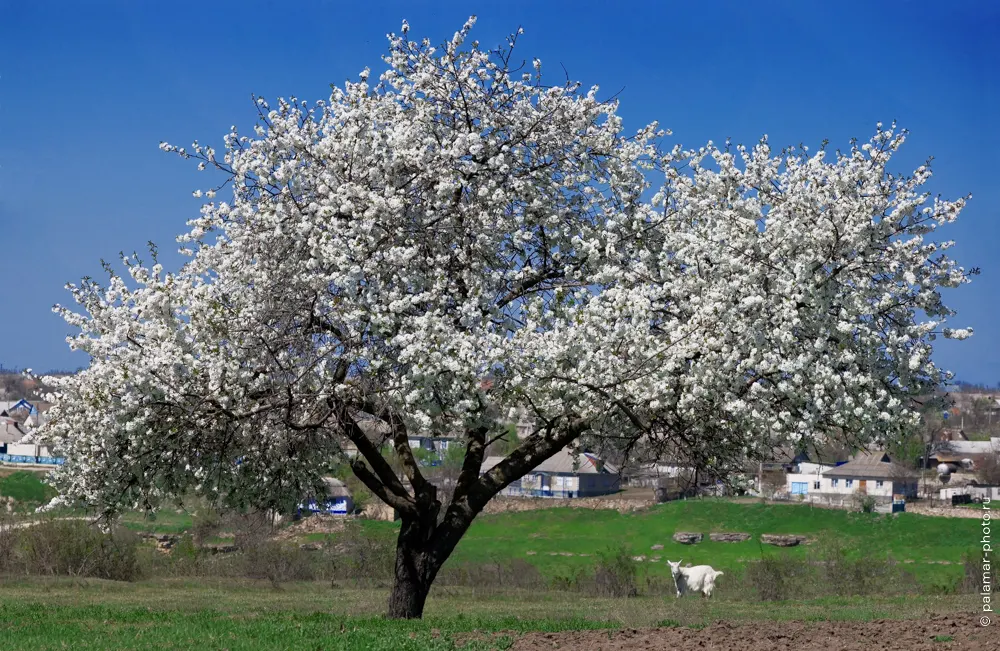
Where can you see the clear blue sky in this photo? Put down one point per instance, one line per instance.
(89, 89)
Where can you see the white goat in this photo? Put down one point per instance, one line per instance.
(700, 578)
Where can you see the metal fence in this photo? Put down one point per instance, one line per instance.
(21, 458)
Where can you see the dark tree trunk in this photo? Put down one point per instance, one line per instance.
(416, 567)
(408, 596)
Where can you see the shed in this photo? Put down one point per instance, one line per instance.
(335, 499)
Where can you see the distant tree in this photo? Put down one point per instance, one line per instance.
(988, 470)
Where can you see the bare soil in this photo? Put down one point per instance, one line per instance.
(941, 632)
(316, 523)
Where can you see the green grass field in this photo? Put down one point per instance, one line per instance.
(47, 613)
(562, 541)
(565, 539)
(216, 613)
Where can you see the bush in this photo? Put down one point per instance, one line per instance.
(972, 576)
(206, 523)
(865, 503)
(862, 575)
(278, 563)
(775, 578)
(8, 543)
(75, 548)
(359, 557)
(615, 573)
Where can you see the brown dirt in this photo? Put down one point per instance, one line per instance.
(940, 633)
(317, 523)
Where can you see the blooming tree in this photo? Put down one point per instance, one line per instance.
(457, 244)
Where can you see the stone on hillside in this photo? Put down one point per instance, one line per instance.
(782, 540)
(728, 537)
(687, 537)
(656, 548)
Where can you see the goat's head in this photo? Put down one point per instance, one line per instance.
(675, 568)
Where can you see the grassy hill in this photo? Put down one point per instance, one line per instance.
(565, 539)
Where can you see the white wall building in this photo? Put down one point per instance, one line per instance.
(867, 473)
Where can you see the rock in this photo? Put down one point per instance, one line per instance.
(687, 537)
(656, 548)
(728, 537)
(311, 547)
(638, 559)
(782, 540)
(222, 549)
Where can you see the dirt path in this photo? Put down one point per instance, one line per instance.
(940, 633)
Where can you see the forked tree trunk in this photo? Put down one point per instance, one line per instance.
(425, 542)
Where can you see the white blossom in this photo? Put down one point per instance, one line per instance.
(389, 249)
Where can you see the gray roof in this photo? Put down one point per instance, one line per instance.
(869, 465)
(335, 487)
(563, 463)
(969, 447)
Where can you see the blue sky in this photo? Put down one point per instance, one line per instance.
(89, 89)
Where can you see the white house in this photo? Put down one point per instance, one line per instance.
(563, 475)
(809, 478)
(871, 474)
(867, 473)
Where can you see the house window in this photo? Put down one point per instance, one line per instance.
(850, 482)
(816, 485)
(834, 482)
(878, 483)
(799, 488)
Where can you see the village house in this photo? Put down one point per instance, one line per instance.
(334, 499)
(19, 418)
(563, 475)
(872, 474)
(963, 454)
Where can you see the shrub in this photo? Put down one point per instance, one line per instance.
(864, 574)
(865, 503)
(278, 563)
(779, 578)
(8, 543)
(615, 573)
(75, 548)
(359, 557)
(207, 522)
(972, 576)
